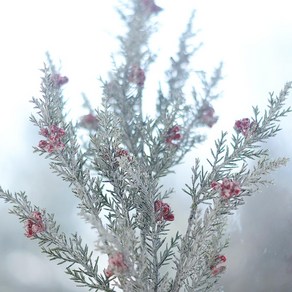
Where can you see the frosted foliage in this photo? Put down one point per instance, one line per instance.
(115, 158)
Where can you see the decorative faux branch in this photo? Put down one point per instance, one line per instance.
(116, 172)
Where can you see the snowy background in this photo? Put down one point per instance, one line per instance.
(254, 41)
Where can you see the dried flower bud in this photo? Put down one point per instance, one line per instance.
(121, 152)
(206, 115)
(54, 135)
(173, 135)
(243, 126)
(59, 80)
(220, 259)
(89, 122)
(228, 188)
(216, 268)
(163, 211)
(137, 75)
(116, 265)
(34, 225)
(151, 7)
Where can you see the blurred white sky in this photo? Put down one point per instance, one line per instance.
(253, 38)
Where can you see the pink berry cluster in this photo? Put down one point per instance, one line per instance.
(206, 115)
(243, 126)
(116, 265)
(120, 152)
(59, 80)
(137, 76)
(173, 135)
(34, 225)
(217, 268)
(228, 188)
(54, 136)
(163, 211)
